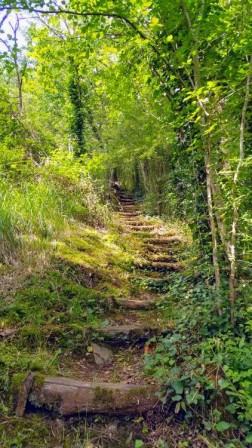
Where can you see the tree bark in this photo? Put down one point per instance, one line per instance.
(207, 145)
(235, 221)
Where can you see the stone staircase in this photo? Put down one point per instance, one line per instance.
(117, 350)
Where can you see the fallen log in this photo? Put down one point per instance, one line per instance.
(67, 396)
(127, 334)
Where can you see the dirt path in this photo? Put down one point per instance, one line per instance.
(117, 350)
(110, 380)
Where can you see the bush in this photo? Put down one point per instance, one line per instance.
(205, 366)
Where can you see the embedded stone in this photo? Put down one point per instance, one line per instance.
(102, 354)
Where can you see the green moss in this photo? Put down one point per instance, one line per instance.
(17, 381)
(103, 395)
(38, 381)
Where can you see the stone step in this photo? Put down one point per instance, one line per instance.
(141, 227)
(136, 304)
(160, 258)
(162, 250)
(125, 196)
(126, 334)
(127, 201)
(133, 222)
(160, 266)
(129, 208)
(129, 214)
(165, 240)
(67, 396)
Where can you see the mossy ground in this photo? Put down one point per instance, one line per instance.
(51, 302)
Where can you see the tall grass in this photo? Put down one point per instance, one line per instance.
(37, 203)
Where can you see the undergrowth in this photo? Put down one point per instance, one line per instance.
(205, 366)
(37, 201)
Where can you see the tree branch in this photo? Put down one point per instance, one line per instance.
(108, 15)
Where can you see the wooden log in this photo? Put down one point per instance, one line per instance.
(165, 240)
(126, 334)
(141, 227)
(136, 304)
(23, 394)
(67, 396)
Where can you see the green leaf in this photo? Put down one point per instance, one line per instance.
(231, 408)
(139, 443)
(178, 386)
(249, 438)
(207, 425)
(223, 383)
(223, 426)
(169, 38)
(176, 398)
(177, 407)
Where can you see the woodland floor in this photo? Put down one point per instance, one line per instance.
(113, 284)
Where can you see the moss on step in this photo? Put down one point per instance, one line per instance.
(104, 395)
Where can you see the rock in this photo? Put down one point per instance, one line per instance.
(68, 396)
(102, 355)
(5, 332)
(126, 334)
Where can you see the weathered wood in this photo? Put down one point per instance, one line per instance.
(125, 334)
(126, 201)
(128, 207)
(159, 266)
(161, 258)
(67, 396)
(168, 266)
(165, 240)
(129, 214)
(141, 227)
(133, 222)
(136, 304)
(23, 394)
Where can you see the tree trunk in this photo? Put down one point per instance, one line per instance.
(233, 239)
(203, 115)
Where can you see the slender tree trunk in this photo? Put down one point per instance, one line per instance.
(235, 220)
(144, 170)
(215, 251)
(20, 85)
(207, 146)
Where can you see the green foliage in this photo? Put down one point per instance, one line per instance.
(160, 91)
(53, 299)
(77, 125)
(204, 367)
(37, 201)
